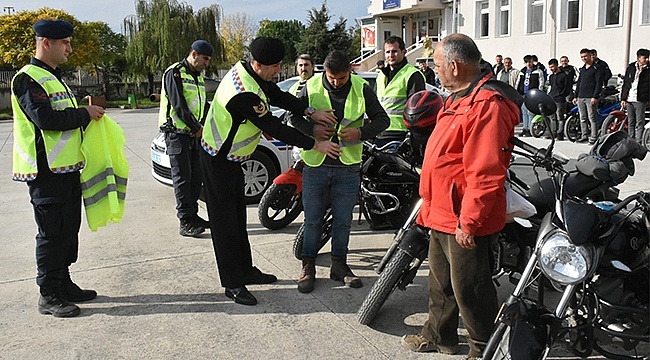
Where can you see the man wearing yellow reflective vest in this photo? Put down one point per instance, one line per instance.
(335, 181)
(48, 129)
(183, 106)
(238, 114)
(395, 84)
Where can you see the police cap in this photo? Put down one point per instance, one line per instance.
(53, 29)
(202, 47)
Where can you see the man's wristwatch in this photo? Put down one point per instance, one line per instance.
(310, 111)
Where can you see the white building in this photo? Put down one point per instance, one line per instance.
(514, 28)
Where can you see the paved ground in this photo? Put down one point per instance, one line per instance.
(160, 296)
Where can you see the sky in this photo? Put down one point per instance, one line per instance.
(113, 12)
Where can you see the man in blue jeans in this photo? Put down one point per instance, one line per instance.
(335, 182)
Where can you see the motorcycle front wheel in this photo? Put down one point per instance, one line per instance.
(280, 206)
(326, 234)
(388, 280)
(498, 345)
(610, 125)
(572, 127)
(646, 139)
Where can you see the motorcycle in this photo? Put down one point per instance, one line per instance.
(281, 203)
(515, 243)
(608, 103)
(596, 254)
(645, 140)
(389, 189)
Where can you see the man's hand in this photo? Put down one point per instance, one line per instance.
(574, 101)
(95, 112)
(328, 148)
(350, 134)
(623, 103)
(324, 117)
(594, 101)
(198, 133)
(465, 241)
(322, 132)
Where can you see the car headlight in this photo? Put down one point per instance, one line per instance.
(562, 261)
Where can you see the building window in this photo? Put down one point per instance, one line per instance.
(482, 18)
(645, 12)
(503, 18)
(570, 11)
(535, 21)
(609, 12)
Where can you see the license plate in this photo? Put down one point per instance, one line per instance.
(155, 157)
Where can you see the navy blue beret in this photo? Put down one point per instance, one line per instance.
(53, 29)
(203, 47)
(267, 50)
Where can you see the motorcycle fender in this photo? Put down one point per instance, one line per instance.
(414, 241)
(291, 176)
(620, 115)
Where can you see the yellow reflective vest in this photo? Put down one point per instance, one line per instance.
(393, 96)
(103, 180)
(194, 93)
(219, 121)
(355, 108)
(62, 148)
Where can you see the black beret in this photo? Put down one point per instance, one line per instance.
(53, 29)
(267, 50)
(202, 47)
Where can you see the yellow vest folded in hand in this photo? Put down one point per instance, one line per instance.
(103, 180)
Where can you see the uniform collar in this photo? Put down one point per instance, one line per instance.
(39, 63)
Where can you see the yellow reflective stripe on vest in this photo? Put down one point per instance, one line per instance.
(393, 96)
(354, 109)
(219, 121)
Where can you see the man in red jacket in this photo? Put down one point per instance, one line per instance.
(462, 186)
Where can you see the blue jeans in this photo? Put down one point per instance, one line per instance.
(321, 186)
(526, 117)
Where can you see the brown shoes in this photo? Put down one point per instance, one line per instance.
(419, 343)
(307, 275)
(340, 271)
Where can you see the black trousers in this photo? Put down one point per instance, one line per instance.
(224, 197)
(56, 200)
(183, 154)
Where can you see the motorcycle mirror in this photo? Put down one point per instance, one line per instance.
(539, 103)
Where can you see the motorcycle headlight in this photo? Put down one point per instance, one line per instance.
(562, 261)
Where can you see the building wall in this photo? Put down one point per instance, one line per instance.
(552, 41)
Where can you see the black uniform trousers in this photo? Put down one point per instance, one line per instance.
(183, 152)
(56, 199)
(224, 197)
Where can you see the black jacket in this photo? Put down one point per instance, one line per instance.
(643, 87)
(560, 86)
(590, 82)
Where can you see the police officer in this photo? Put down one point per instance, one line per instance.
(238, 114)
(395, 84)
(182, 113)
(48, 129)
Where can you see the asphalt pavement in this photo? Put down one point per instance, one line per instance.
(159, 292)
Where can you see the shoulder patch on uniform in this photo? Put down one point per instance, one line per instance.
(261, 109)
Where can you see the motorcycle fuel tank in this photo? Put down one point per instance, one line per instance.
(392, 169)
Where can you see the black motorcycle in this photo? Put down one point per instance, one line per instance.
(510, 252)
(388, 191)
(596, 253)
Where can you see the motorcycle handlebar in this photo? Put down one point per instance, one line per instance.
(538, 153)
(620, 206)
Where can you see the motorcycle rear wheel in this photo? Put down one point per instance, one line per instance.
(610, 125)
(572, 127)
(538, 129)
(326, 235)
(387, 282)
(646, 139)
(280, 206)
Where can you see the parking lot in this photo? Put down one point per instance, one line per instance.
(159, 293)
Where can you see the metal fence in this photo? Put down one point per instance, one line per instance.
(79, 78)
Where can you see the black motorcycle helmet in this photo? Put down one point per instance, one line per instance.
(420, 116)
(421, 110)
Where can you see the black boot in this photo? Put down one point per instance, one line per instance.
(52, 302)
(72, 292)
(340, 271)
(188, 228)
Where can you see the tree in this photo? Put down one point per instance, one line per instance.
(161, 33)
(238, 31)
(17, 38)
(110, 62)
(318, 40)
